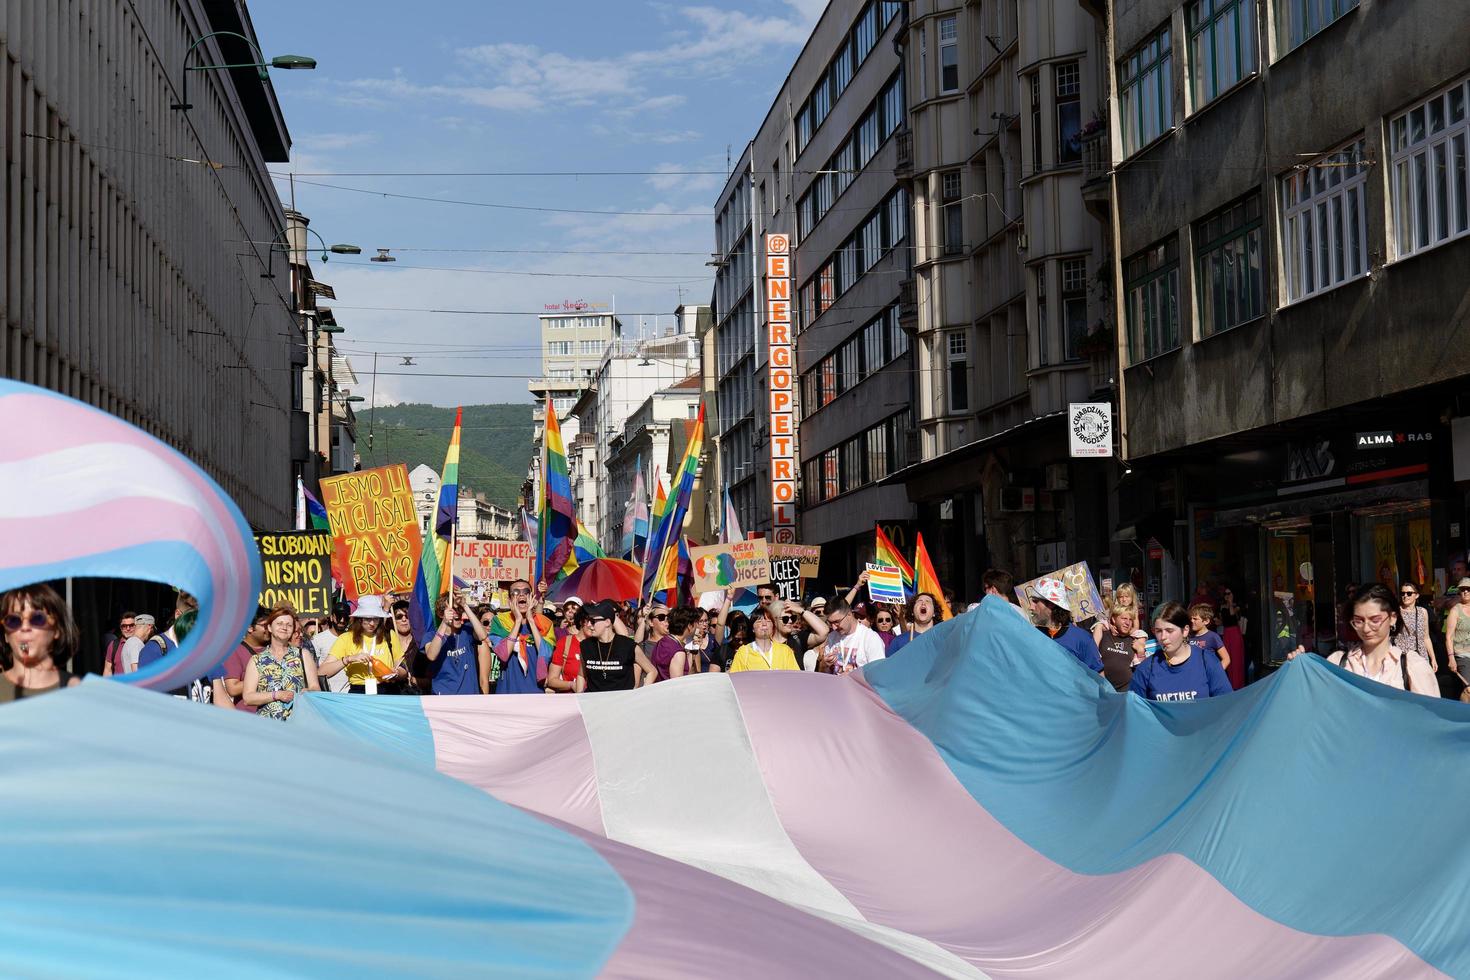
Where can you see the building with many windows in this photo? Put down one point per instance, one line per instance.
(1288, 197)
(820, 172)
(136, 280)
(1004, 306)
(573, 341)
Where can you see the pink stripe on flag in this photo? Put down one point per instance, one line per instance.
(950, 872)
(530, 751)
(689, 923)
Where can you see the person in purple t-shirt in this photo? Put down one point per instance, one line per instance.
(670, 655)
(1202, 635)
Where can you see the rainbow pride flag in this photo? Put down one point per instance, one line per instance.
(661, 568)
(925, 580)
(556, 518)
(884, 553)
(435, 576)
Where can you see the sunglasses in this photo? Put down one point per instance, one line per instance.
(126, 626)
(1408, 592)
(883, 619)
(36, 621)
(486, 623)
(659, 616)
(520, 591)
(788, 619)
(597, 619)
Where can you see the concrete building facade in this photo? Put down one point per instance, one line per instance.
(820, 171)
(477, 518)
(1004, 304)
(133, 278)
(645, 443)
(1288, 198)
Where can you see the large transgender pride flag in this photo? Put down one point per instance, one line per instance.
(981, 805)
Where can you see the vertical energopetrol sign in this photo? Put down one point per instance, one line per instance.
(781, 365)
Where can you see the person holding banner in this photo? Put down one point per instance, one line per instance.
(764, 651)
(367, 652)
(278, 673)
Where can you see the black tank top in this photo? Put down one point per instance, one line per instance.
(1117, 658)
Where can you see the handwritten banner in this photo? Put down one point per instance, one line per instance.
(297, 571)
(737, 564)
(790, 564)
(885, 584)
(375, 529)
(1083, 600)
(492, 561)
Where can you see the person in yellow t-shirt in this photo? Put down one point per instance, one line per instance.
(369, 639)
(764, 652)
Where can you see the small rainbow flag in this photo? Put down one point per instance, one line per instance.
(884, 553)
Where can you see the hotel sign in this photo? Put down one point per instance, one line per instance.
(781, 365)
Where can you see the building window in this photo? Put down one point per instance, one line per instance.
(1323, 219)
(1228, 276)
(1035, 87)
(1428, 146)
(842, 71)
(1300, 19)
(1068, 76)
(923, 65)
(957, 345)
(952, 210)
(867, 137)
(556, 348)
(949, 55)
(1151, 279)
(865, 34)
(1039, 274)
(590, 346)
(1074, 304)
(1222, 46)
(1146, 90)
(892, 104)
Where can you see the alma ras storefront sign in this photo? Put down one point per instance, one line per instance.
(1378, 440)
(781, 367)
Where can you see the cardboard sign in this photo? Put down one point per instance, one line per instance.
(375, 529)
(1082, 596)
(885, 584)
(492, 561)
(297, 571)
(790, 564)
(737, 564)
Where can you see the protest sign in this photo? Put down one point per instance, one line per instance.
(492, 561)
(374, 528)
(736, 564)
(885, 584)
(790, 564)
(1083, 600)
(296, 570)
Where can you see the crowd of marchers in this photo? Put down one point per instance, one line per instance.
(527, 646)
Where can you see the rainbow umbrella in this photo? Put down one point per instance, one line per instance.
(600, 578)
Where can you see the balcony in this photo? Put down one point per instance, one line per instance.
(903, 162)
(538, 385)
(1097, 168)
(908, 305)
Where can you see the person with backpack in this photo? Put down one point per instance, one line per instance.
(1178, 671)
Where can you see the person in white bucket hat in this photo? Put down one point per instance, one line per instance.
(369, 651)
(1050, 610)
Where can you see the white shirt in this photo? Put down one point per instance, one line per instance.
(321, 645)
(853, 650)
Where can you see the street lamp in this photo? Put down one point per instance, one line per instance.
(286, 62)
(338, 249)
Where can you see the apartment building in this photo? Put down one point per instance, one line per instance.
(1006, 303)
(1288, 193)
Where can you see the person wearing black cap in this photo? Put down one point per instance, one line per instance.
(611, 661)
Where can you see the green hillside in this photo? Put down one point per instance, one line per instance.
(495, 446)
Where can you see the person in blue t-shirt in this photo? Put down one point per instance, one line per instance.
(454, 649)
(1179, 671)
(1049, 608)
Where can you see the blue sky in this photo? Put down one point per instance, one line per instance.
(482, 85)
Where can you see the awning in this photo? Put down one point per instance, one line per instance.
(968, 451)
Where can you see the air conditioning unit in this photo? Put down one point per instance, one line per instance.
(1017, 500)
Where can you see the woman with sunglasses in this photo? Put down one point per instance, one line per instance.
(1413, 635)
(1457, 631)
(885, 624)
(40, 640)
